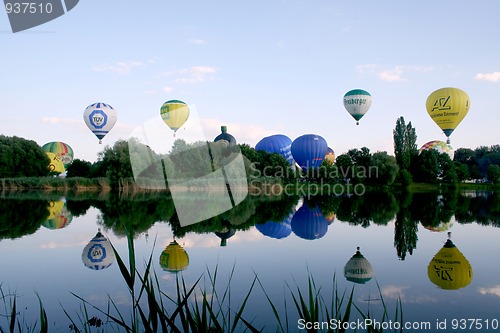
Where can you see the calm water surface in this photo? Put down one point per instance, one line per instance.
(282, 240)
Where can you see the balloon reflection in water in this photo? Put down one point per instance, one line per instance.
(276, 230)
(224, 235)
(174, 258)
(449, 269)
(59, 216)
(98, 254)
(309, 223)
(358, 269)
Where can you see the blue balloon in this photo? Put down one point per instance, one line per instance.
(309, 150)
(278, 143)
(276, 230)
(309, 223)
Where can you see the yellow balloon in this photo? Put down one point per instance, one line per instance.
(174, 258)
(56, 164)
(174, 113)
(448, 107)
(449, 269)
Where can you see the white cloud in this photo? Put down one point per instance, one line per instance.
(390, 74)
(150, 92)
(167, 89)
(191, 75)
(493, 77)
(123, 67)
(197, 41)
(490, 291)
(57, 120)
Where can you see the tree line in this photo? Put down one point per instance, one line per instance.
(20, 157)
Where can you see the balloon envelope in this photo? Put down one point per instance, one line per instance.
(55, 165)
(276, 230)
(309, 150)
(278, 143)
(448, 107)
(449, 269)
(440, 146)
(59, 216)
(358, 269)
(61, 149)
(309, 223)
(330, 155)
(98, 254)
(225, 136)
(100, 119)
(174, 258)
(357, 102)
(174, 113)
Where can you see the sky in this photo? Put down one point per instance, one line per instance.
(260, 68)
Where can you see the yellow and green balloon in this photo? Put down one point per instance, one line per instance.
(174, 113)
(61, 149)
(448, 107)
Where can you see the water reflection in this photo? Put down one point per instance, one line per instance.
(358, 269)
(98, 253)
(449, 269)
(174, 258)
(59, 216)
(309, 222)
(274, 217)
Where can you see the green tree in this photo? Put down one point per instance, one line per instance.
(405, 145)
(383, 168)
(22, 158)
(427, 167)
(116, 162)
(494, 173)
(79, 168)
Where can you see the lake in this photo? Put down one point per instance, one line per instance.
(284, 241)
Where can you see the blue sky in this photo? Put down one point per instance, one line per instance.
(261, 68)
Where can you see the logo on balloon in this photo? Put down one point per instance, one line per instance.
(25, 15)
(441, 104)
(98, 118)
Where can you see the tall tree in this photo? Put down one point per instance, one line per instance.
(405, 147)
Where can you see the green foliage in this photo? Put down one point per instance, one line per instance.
(79, 168)
(494, 173)
(22, 158)
(116, 161)
(404, 178)
(385, 168)
(20, 218)
(405, 143)
(427, 167)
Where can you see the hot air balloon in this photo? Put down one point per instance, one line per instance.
(98, 254)
(55, 165)
(449, 269)
(61, 149)
(448, 107)
(440, 146)
(309, 223)
(100, 119)
(174, 258)
(225, 136)
(358, 269)
(174, 113)
(330, 155)
(59, 216)
(357, 102)
(309, 150)
(278, 143)
(276, 230)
